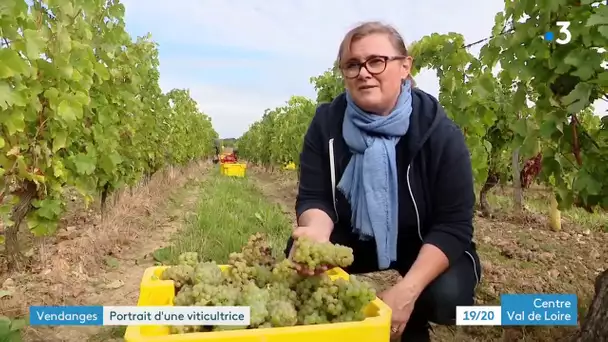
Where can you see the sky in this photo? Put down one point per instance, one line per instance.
(240, 57)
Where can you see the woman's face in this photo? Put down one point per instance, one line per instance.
(375, 92)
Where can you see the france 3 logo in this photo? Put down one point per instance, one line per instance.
(564, 35)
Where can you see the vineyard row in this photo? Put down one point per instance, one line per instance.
(81, 107)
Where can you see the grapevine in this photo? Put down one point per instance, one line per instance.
(277, 138)
(328, 85)
(81, 107)
(465, 87)
(278, 296)
(563, 80)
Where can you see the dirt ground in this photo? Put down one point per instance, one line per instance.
(95, 261)
(519, 254)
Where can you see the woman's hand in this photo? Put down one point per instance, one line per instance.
(317, 235)
(401, 300)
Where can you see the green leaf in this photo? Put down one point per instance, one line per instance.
(603, 30)
(578, 106)
(59, 140)
(530, 147)
(49, 209)
(6, 95)
(5, 323)
(11, 64)
(40, 226)
(163, 255)
(585, 72)
(548, 128)
(67, 8)
(35, 43)
(565, 198)
(585, 182)
(521, 127)
(575, 57)
(17, 324)
(102, 71)
(85, 164)
(578, 98)
(69, 111)
(596, 19)
(51, 94)
(486, 85)
(81, 98)
(14, 122)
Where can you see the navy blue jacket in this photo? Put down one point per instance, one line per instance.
(436, 195)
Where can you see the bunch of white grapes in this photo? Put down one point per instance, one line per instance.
(278, 295)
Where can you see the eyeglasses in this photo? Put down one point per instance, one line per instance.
(375, 65)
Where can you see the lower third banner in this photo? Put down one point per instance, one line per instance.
(139, 315)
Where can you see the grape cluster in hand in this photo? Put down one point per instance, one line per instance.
(314, 254)
(277, 294)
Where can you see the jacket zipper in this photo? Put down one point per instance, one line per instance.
(409, 188)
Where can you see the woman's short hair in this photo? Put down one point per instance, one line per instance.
(369, 28)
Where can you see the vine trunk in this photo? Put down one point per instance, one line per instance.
(26, 194)
(595, 326)
(491, 182)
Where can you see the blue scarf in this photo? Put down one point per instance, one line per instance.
(370, 179)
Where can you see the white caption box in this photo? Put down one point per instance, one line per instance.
(478, 315)
(176, 315)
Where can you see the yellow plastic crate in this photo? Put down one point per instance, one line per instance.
(155, 292)
(233, 169)
(290, 166)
